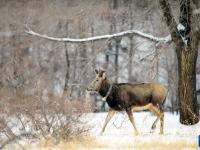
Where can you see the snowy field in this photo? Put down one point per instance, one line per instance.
(119, 134)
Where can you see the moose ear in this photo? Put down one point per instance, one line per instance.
(104, 75)
(96, 71)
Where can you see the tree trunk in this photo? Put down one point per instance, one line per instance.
(131, 50)
(92, 46)
(186, 41)
(117, 42)
(130, 60)
(67, 61)
(187, 85)
(116, 60)
(67, 75)
(67, 67)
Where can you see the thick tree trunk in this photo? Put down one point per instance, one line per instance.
(187, 85)
(186, 40)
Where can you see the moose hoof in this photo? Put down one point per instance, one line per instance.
(153, 126)
(136, 133)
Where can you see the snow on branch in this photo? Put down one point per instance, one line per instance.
(166, 39)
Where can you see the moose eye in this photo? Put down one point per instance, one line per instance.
(97, 80)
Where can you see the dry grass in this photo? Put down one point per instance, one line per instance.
(89, 142)
(160, 145)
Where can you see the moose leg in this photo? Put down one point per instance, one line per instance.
(154, 123)
(148, 106)
(109, 116)
(160, 115)
(161, 123)
(130, 115)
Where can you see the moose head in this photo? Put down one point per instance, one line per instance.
(98, 81)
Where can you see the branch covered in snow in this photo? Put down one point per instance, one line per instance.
(166, 39)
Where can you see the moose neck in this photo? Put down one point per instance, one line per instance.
(104, 88)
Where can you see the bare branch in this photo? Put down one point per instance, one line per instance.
(169, 19)
(166, 39)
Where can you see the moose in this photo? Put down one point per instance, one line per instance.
(128, 97)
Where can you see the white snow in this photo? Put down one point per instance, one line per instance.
(180, 27)
(107, 36)
(119, 130)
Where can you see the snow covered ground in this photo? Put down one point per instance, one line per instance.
(119, 133)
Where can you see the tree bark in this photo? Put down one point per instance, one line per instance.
(189, 113)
